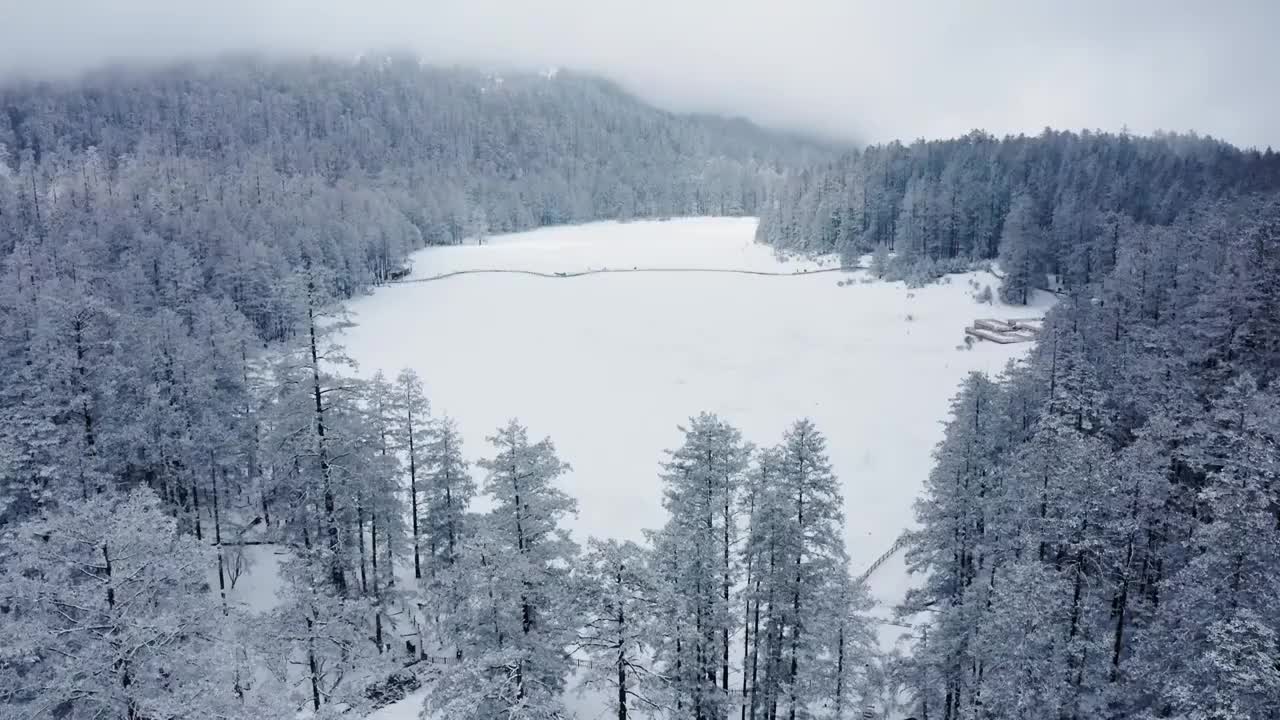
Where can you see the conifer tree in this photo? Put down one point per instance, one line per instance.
(812, 577)
(703, 480)
(411, 426)
(107, 613)
(517, 666)
(620, 603)
(1019, 243)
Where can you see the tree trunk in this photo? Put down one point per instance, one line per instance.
(699, 649)
(774, 664)
(679, 669)
(217, 538)
(413, 492)
(724, 629)
(336, 572)
(840, 674)
(1075, 665)
(796, 624)
(195, 504)
(313, 666)
(746, 654)
(377, 598)
(1121, 606)
(747, 635)
(755, 656)
(622, 664)
(526, 611)
(364, 578)
(451, 531)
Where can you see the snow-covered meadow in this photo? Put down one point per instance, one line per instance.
(608, 365)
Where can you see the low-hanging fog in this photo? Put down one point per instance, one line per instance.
(844, 68)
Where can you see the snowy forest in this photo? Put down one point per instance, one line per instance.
(1100, 537)
(1100, 531)
(220, 179)
(1049, 207)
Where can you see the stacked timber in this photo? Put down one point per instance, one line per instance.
(1005, 331)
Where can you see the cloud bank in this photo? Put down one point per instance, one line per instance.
(872, 71)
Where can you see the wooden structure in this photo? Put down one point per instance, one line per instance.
(1013, 330)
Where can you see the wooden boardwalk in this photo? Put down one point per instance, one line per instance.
(604, 271)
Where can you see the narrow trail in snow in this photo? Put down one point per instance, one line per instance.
(602, 271)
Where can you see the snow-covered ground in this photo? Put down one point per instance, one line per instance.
(710, 243)
(409, 708)
(608, 365)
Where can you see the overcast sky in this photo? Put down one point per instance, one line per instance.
(867, 70)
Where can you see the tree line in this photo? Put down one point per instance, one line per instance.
(1049, 207)
(1101, 532)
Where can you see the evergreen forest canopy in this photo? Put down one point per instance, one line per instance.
(232, 175)
(1049, 207)
(1100, 536)
(1101, 533)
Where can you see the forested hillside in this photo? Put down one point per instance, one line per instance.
(1101, 530)
(155, 226)
(1049, 207)
(223, 178)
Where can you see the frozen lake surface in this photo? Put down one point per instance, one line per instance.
(610, 364)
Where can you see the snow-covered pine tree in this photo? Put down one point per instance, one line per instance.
(223, 451)
(703, 480)
(1221, 604)
(952, 546)
(449, 492)
(107, 613)
(763, 563)
(619, 597)
(380, 499)
(52, 430)
(319, 638)
(1019, 242)
(517, 663)
(330, 453)
(811, 579)
(323, 634)
(672, 645)
(845, 664)
(311, 403)
(445, 524)
(411, 426)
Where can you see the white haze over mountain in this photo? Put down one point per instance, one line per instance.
(867, 70)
